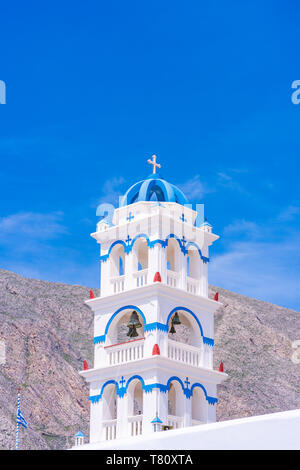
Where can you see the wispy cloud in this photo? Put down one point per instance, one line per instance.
(243, 227)
(112, 190)
(267, 271)
(32, 225)
(194, 188)
(288, 214)
(261, 261)
(39, 245)
(226, 180)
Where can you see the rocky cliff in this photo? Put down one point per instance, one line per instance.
(46, 332)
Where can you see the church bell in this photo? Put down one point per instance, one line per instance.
(133, 324)
(132, 333)
(175, 321)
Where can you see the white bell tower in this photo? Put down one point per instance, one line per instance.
(153, 320)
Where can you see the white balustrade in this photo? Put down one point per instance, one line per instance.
(125, 352)
(193, 286)
(110, 429)
(136, 425)
(141, 278)
(175, 421)
(118, 284)
(172, 278)
(184, 353)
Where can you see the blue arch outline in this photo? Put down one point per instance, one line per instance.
(117, 242)
(204, 258)
(121, 391)
(175, 378)
(181, 246)
(108, 383)
(141, 235)
(164, 242)
(197, 384)
(126, 307)
(138, 377)
(188, 311)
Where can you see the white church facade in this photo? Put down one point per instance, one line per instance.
(153, 320)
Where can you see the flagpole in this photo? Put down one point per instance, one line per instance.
(18, 407)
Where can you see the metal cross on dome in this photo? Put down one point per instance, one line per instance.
(154, 164)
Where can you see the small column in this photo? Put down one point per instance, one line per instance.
(211, 413)
(157, 262)
(99, 355)
(106, 288)
(207, 356)
(187, 417)
(122, 415)
(130, 281)
(96, 428)
(183, 271)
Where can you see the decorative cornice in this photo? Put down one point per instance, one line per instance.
(183, 244)
(155, 326)
(148, 388)
(99, 339)
(208, 341)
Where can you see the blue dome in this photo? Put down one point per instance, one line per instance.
(153, 188)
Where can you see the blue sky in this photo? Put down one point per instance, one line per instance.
(95, 88)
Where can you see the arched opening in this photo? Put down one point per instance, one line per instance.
(119, 332)
(109, 421)
(140, 255)
(135, 407)
(185, 342)
(175, 405)
(173, 256)
(187, 331)
(199, 407)
(117, 261)
(193, 263)
(140, 262)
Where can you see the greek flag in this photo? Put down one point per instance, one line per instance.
(21, 420)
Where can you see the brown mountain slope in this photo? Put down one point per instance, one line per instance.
(48, 331)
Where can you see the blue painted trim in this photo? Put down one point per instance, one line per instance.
(94, 398)
(108, 383)
(204, 258)
(181, 245)
(171, 379)
(208, 341)
(149, 388)
(211, 400)
(99, 339)
(164, 243)
(188, 311)
(205, 339)
(156, 326)
(126, 307)
(121, 391)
